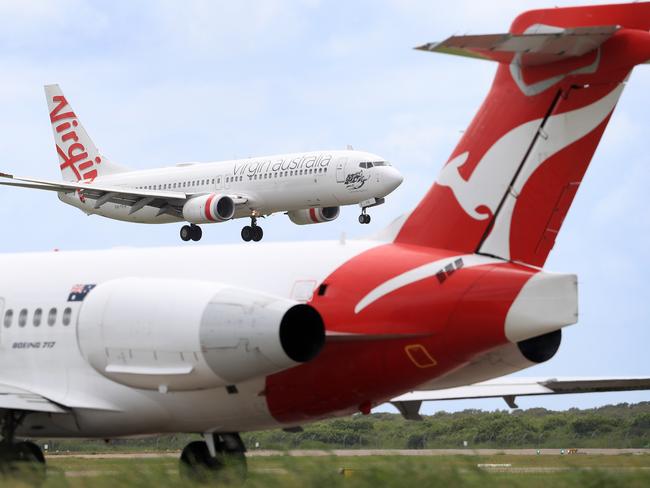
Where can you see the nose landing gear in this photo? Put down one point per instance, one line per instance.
(192, 232)
(252, 232)
(364, 218)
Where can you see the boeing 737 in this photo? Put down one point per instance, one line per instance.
(441, 305)
(309, 187)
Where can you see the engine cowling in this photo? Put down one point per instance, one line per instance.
(174, 335)
(209, 208)
(314, 215)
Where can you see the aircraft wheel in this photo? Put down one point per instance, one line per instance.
(23, 460)
(197, 465)
(247, 233)
(186, 232)
(367, 219)
(258, 233)
(195, 233)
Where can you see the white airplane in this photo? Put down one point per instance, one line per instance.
(310, 187)
(441, 305)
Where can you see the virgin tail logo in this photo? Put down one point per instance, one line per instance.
(79, 159)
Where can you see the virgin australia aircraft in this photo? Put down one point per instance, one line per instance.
(310, 187)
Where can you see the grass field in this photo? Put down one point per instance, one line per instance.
(288, 472)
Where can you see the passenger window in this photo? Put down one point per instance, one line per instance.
(9, 317)
(51, 317)
(67, 316)
(22, 318)
(38, 315)
(213, 181)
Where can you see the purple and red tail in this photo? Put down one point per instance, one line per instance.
(511, 180)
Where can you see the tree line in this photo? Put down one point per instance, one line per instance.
(623, 425)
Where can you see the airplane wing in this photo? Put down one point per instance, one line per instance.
(12, 398)
(510, 388)
(168, 202)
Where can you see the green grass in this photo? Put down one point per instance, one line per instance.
(288, 472)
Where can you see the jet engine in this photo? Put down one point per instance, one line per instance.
(172, 335)
(314, 215)
(209, 208)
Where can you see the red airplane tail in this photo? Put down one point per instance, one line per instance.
(512, 178)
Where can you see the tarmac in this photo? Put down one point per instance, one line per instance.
(367, 452)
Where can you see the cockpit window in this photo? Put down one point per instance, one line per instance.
(365, 165)
(381, 163)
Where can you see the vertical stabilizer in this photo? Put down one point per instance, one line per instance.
(79, 158)
(512, 178)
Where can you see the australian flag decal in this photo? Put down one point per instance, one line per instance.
(79, 292)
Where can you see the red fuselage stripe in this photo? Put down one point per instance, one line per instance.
(208, 205)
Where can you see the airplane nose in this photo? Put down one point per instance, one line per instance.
(393, 179)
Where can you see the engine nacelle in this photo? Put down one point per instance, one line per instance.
(209, 208)
(314, 215)
(168, 334)
(501, 361)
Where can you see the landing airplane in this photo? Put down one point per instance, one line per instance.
(310, 187)
(441, 305)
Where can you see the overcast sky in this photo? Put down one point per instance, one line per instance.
(159, 82)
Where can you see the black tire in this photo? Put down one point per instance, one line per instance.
(186, 233)
(367, 220)
(195, 233)
(28, 451)
(23, 461)
(196, 464)
(258, 233)
(362, 219)
(247, 233)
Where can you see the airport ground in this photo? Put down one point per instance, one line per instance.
(484, 468)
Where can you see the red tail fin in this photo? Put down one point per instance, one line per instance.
(512, 178)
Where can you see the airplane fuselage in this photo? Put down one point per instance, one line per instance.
(380, 323)
(280, 183)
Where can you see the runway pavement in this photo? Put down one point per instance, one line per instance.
(369, 452)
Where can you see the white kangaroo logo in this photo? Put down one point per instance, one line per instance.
(481, 193)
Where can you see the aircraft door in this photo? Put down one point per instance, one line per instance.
(2, 313)
(340, 169)
(219, 183)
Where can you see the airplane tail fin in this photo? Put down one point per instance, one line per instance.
(79, 158)
(512, 178)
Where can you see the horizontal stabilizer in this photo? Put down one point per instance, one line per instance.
(510, 388)
(540, 45)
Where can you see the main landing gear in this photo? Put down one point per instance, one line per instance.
(221, 458)
(364, 218)
(191, 231)
(252, 232)
(24, 459)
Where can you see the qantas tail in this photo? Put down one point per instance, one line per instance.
(511, 180)
(79, 159)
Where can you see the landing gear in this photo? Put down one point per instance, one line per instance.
(364, 218)
(24, 459)
(192, 232)
(252, 232)
(227, 462)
